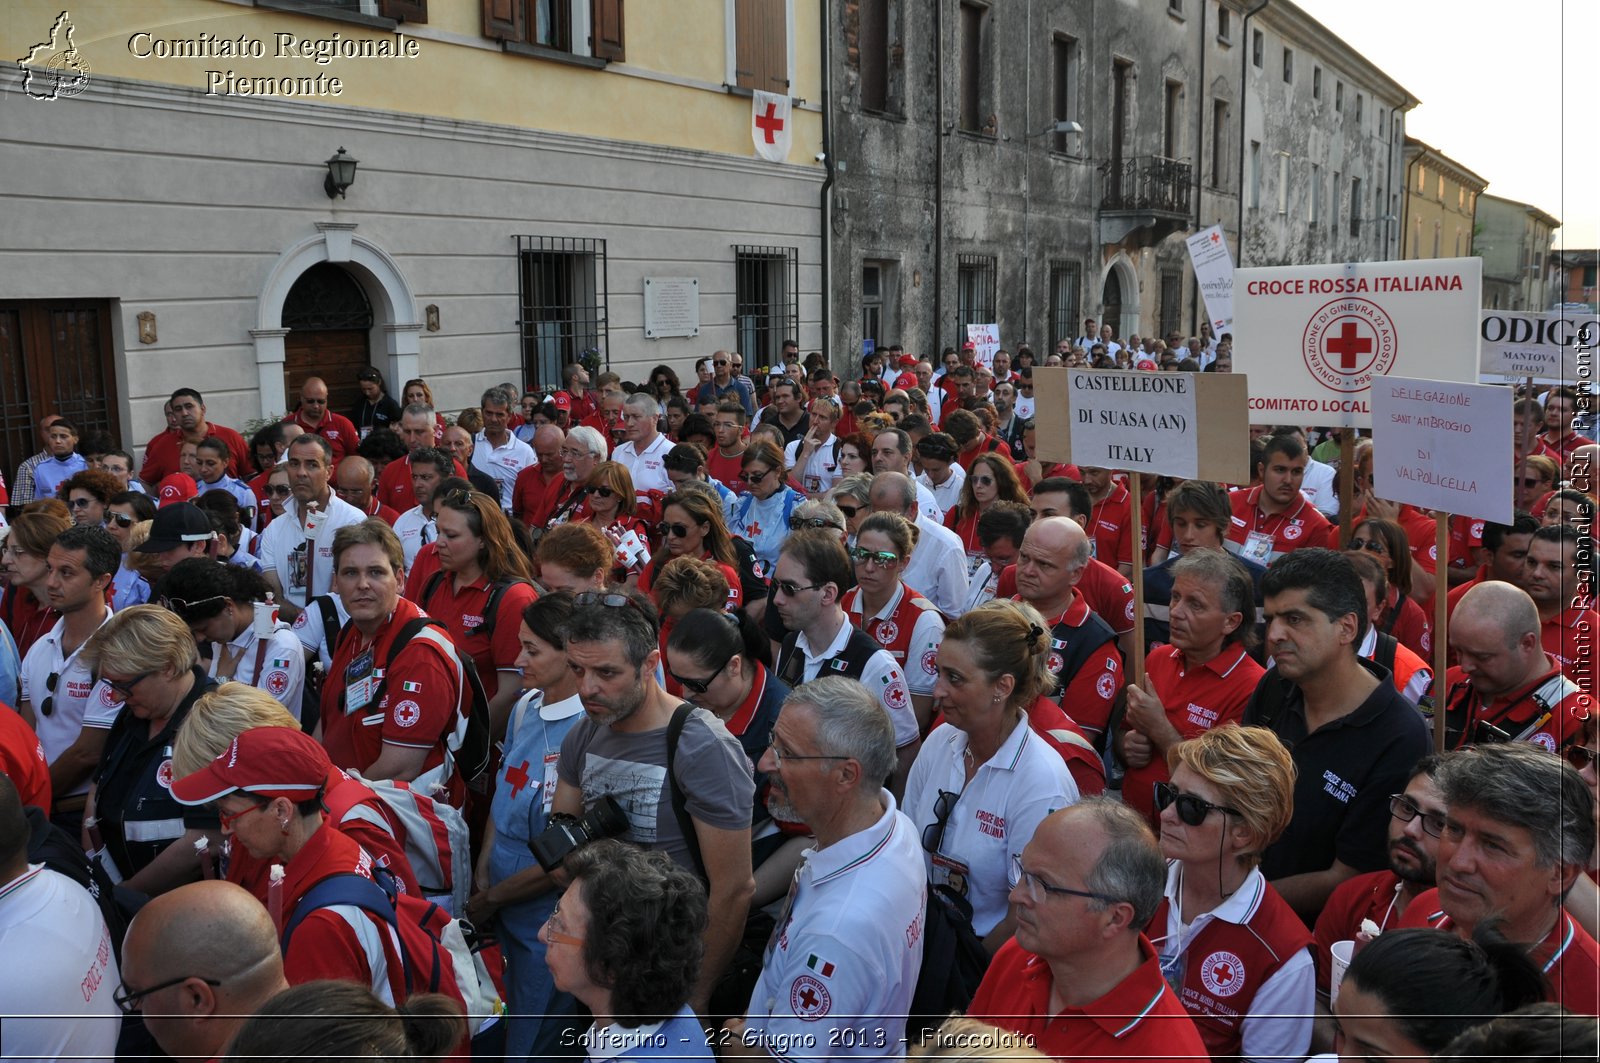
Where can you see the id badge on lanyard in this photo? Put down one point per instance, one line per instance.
(360, 680)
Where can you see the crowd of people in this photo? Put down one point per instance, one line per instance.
(785, 715)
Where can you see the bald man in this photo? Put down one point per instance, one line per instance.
(211, 949)
(538, 487)
(1506, 686)
(353, 481)
(314, 416)
(1083, 649)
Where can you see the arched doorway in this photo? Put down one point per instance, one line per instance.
(1111, 303)
(329, 319)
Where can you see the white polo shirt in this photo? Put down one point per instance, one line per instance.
(648, 467)
(502, 463)
(283, 548)
(881, 676)
(822, 468)
(947, 494)
(283, 663)
(994, 816)
(77, 701)
(415, 530)
(922, 661)
(938, 567)
(841, 968)
(927, 504)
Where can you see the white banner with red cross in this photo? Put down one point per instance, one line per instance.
(1311, 339)
(769, 125)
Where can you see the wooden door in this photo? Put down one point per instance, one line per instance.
(328, 317)
(55, 357)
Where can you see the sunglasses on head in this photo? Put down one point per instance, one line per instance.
(796, 523)
(1192, 809)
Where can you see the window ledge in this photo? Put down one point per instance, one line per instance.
(740, 90)
(555, 55)
(980, 137)
(316, 10)
(1177, 15)
(1226, 42)
(887, 116)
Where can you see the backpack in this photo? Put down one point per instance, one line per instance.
(469, 744)
(953, 963)
(432, 834)
(433, 946)
(491, 606)
(311, 692)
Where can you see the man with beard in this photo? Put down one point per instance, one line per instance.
(1416, 819)
(632, 734)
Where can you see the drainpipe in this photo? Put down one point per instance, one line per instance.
(825, 203)
(938, 186)
(1244, 105)
(1199, 142)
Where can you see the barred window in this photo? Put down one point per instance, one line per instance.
(974, 291)
(766, 301)
(564, 305)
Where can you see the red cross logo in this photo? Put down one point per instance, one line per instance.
(1348, 344)
(1223, 973)
(770, 123)
(807, 997)
(1215, 237)
(755, 530)
(517, 777)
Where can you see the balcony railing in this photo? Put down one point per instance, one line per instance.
(1147, 183)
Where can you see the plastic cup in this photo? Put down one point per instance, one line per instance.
(1341, 952)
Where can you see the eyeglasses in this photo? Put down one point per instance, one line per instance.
(1402, 808)
(1039, 890)
(849, 511)
(48, 706)
(933, 833)
(123, 688)
(700, 686)
(874, 558)
(796, 523)
(1192, 809)
(1372, 546)
(557, 937)
(779, 756)
(81, 503)
(987, 481)
(1580, 757)
(181, 607)
(127, 1000)
(677, 531)
(228, 819)
(603, 491)
(754, 477)
(789, 588)
(1532, 481)
(278, 490)
(123, 520)
(573, 455)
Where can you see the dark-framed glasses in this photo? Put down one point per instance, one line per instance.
(123, 688)
(48, 705)
(700, 686)
(933, 833)
(754, 478)
(1371, 546)
(789, 588)
(128, 1000)
(875, 558)
(1405, 810)
(1192, 809)
(677, 531)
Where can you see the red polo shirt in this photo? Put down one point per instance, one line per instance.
(1140, 1018)
(1569, 638)
(381, 511)
(1375, 896)
(161, 453)
(22, 759)
(463, 613)
(1466, 535)
(1299, 525)
(1196, 699)
(534, 495)
(1107, 591)
(1568, 955)
(1110, 527)
(424, 565)
(418, 706)
(335, 428)
(1559, 450)
(394, 484)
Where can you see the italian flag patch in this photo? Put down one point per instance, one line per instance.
(820, 965)
(411, 688)
(280, 662)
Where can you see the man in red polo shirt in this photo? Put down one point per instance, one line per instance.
(1502, 555)
(538, 487)
(353, 481)
(1560, 588)
(1520, 829)
(1558, 440)
(1110, 524)
(1273, 518)
(386, 720)
(1079, 979)
(314, 416)
(416, 431)
(189, 408)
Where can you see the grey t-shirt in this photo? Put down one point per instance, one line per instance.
(712, 771)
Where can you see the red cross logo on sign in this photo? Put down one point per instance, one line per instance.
(1348, 341)
(1348, 344)
(770, 130)
(769, 124)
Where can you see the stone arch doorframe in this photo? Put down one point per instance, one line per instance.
(1128, 280)
(396, 329)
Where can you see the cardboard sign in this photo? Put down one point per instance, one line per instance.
(1517, 345)
(1312, 339)
(1213, 271)
(985, 340)
(1189, 425)
(1443, 445)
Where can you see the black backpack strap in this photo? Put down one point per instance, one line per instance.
(330, 621)
(680, 800)
(791, 667)
(429, 587)
(1383, 653)
(408, 631)
(491, 606)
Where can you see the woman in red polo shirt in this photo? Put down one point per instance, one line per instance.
(1228, 942)
(990, 479)
(612, 507)
(478, 557)
(692, 525)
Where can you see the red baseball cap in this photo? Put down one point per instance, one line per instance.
(969, 346)
(179, 487)
(904, 381)
(563, 401)
(907, 360)
(266, 761)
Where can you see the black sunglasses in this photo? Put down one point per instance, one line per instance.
(278, 490)
(123, 520)
(1371, 546)
(677, 531)
(1580, 757)
(849, 511)
(796, 523)
(603, 491)
(48, 705)
(754, 478)
(700, 686)
(933, 833)
(1192, 809)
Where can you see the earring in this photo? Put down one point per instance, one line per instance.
(283, 825)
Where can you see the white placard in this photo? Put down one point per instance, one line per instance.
(1213, 270)
(985, 340)
(1517, 345)
(1312, 339)
(1443, 445)
(671, 307)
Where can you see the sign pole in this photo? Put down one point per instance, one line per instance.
(1347, 481)
(1441, 616)
(1135, 518)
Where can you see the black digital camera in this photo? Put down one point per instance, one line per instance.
(604, 819)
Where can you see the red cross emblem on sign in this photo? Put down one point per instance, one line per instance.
(1348, 344)
(770, 124)
(1215, 237)
(517, 777)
